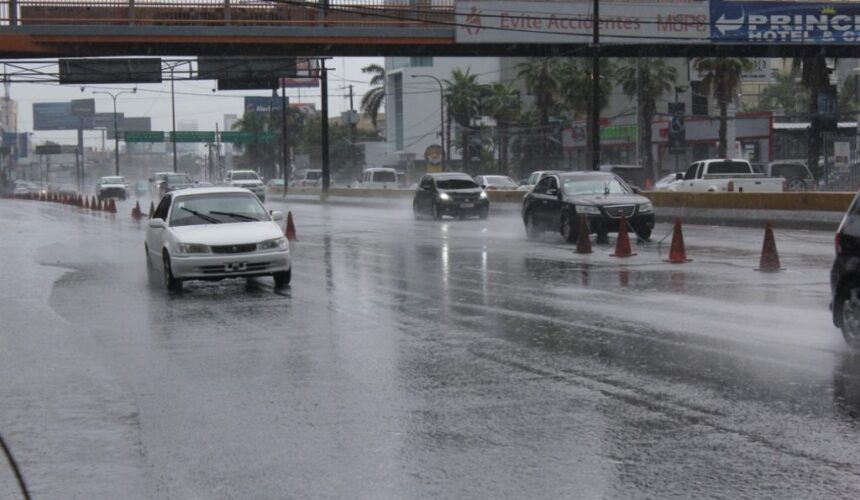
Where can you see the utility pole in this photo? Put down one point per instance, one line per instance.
(285, 145)
(352, 120)
(595, 89)
(326, 172)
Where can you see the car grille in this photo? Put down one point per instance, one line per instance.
(464, 198)
(616, 211)
(254, 267)
(234, 248)
(112, 191)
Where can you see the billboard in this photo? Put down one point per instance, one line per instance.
(58, 116)
(545, 21)
(263, 104)
(785, 22)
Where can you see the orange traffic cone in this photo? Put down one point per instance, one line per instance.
(86, 203)
(677, 252)
(769, 262)
(291, 228)
(135, 212)
(622, 246)
(151, 209)
(583, 240)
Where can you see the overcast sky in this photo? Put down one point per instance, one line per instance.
(194, 100)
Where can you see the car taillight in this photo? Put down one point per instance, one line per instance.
(731, 186)
(837, 244)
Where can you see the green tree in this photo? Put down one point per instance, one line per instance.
(848, 100)
(541, 79)
(722, 77)
(575, 90)
(258, 155)
(527, 142)
(463, 99)
(785, 94)
(503, 105)
(374, 99)
(646, 80)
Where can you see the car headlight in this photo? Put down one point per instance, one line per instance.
(483, 195)
(275, 244)
(444, 197)
(192, 248)
(587, 209)
(646, 207)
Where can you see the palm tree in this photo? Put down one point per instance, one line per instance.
(541, 78)
(815, 77)
(574, 81)
(646, 80)
(374, 98)
(722, 77)
(257, 155)
(503, 105)
(463, 97)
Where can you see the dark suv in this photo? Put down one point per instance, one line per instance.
(845, 276)
(454, 194)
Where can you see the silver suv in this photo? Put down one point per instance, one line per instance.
(247, 179)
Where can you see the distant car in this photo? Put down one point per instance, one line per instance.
(380, 178)
(665, 183)
(307, 178)
(154, 181)
(558, 200)
(172, 182)
(845, 276)
(30, 187)
(496, 183)
(452, 194)
(536, 177)
(112, 187)
(141, 188)
(67, 190)
(216, 233)
(247, 179)
(797, 176)
(634, 175)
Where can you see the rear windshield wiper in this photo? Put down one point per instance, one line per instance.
(233, 214)
(211, 220)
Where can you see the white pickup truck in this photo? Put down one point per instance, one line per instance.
(725, 176)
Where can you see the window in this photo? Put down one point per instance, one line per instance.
(728, 167)
(691, 172)
(245, 176)
(427, 182)
(594, 185)
(163, 207)
(217, 208)
(455, 183)
(789, 171)
(543, 185)
(384, 176)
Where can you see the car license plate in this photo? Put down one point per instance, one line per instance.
(467, 205)
(235, 267)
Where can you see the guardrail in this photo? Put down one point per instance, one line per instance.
(227, 12)
(813, 202)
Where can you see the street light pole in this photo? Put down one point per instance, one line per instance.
(172, 67)
(441, 114)
(678, 89)
(115, 126)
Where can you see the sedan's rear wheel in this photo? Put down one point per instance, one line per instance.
(851, 317)
(532, 232)
(170, 282)
(282, 278)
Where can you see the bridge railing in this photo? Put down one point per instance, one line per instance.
(413, 13)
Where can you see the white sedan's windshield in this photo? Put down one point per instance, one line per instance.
(113, 180)
(245, 176)
(216, 208)
(594, 186)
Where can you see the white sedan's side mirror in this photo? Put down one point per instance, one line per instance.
(157, 224)
(277, 216)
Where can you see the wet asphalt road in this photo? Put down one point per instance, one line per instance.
(423, 359)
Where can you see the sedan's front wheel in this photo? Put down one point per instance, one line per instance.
(282, 278)
(851, 317)
(436, 213)
(170, 282)
(568, 229)
(532, 232)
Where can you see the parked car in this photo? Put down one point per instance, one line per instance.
(845, 276)
(496, 183)
(453, 194)
(112, 187)
(724, 175)
(666, 183)
(247, 179)
(307, 177)
(634, 175)
(168, 182)
(380, 178)
(154, 181)
(558, 199)
(797, 176)
(536, 177)
(275, 186)
(216, 233)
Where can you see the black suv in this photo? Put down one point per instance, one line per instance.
(454, 194)
(845, 276)
(558, 199)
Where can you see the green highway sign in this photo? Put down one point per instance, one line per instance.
(237, 137)
(144, 136)
(193, 136)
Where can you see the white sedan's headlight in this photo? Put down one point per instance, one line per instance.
(587, 209)
(444, 197)
(275, 244)
(483, 195)
(646, 207)
(192, 248)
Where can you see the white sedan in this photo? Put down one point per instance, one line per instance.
(216, 233)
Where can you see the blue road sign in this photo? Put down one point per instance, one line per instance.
(785, 22)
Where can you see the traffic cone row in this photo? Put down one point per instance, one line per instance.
(291, 228)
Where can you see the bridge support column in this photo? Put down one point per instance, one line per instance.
(130, 11)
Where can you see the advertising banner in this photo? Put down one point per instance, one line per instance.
(58, 116)
(785, 22)
(621, 22)
(262, 104)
